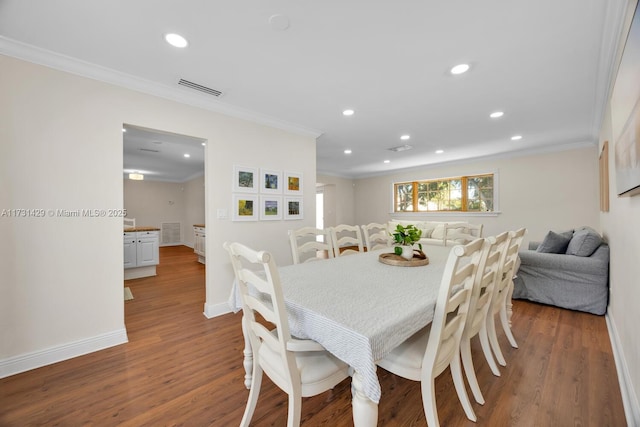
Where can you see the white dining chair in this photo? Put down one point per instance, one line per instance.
(478, 309)
(427, 353)
(376, 236)
(310, 244)
(301, 368)
(345, 238)
(501, 300)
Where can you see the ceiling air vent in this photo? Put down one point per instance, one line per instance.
(150, 150)
(201, 88)
(401, 148)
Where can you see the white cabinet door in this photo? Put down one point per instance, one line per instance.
(198, 244)
(148, 249)
(130, 250)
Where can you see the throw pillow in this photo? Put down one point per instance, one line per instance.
(427, 230)
(438, 232)
(584, 242)
(554, 243)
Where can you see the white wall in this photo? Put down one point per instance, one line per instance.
(194, 196)
(153, 202)
(339, 200)
(621, 228)
(542, 192)
(61, 290)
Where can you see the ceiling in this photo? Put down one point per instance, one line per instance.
(160, 156)
(297, 64)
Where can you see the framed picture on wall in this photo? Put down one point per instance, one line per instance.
(270, 181)
(245, 179)
(293, 183)
(270, 208)
(293, 208)
(245, 207)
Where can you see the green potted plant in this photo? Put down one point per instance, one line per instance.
(406, 237)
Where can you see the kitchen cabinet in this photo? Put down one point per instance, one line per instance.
(141, 253)
(199, 244)
(130, 250)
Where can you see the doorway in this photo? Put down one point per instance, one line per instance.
(164, 186)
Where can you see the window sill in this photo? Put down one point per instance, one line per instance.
(443, 214)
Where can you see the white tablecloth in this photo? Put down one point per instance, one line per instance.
(358, 308)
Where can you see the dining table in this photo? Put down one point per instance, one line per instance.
(359, 309)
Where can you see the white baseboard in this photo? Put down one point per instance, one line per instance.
(214, 310)
(26, 362)
(629, 397)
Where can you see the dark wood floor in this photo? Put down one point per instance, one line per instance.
(181, 369)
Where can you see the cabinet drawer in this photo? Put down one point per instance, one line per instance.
(155, 234)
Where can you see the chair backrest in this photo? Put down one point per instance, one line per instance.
(510, 264)
(507, 266)
(310, 244)
(345, 238)
(129, 222)
(376, 236)
(486, 281)
(258, 270)
(452, 306)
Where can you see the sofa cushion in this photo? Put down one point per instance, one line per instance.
(554, 243)
(438, 232)
(584, 242)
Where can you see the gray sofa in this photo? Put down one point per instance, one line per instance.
(575, 278)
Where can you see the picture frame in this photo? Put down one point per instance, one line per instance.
(270, 181)
(626, 102)
(245, 179)
(293, 183)
(293, 208)
(270, 208)
(245, 207)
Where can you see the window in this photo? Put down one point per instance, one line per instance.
(463, 194)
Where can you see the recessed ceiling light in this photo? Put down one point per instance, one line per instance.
(516, 137)
(176, 40)
(439, 151)
(187, 155)
(496, 114)
(347, 151)
(124, 130)
(387, 161)
(460, 69)
(204, 144)
(348, 112)
(405, 137)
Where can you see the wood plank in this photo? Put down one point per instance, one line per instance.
(180, 368)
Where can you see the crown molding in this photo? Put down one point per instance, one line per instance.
(47, 58)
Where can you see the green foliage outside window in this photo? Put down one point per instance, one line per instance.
(464, 194)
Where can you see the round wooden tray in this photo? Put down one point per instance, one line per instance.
(419, 258)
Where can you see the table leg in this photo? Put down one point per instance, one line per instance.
(248, 356)
(365, 411)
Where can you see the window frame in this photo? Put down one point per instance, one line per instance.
(496, 202)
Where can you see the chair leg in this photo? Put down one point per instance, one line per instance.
(254, 392)
(295, 410)
(493, 339)
(505, 317)
(458, 382)
(486, 349)
(429, 402)
(467, 362)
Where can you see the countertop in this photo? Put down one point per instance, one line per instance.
(199, 225)
(134, 229)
